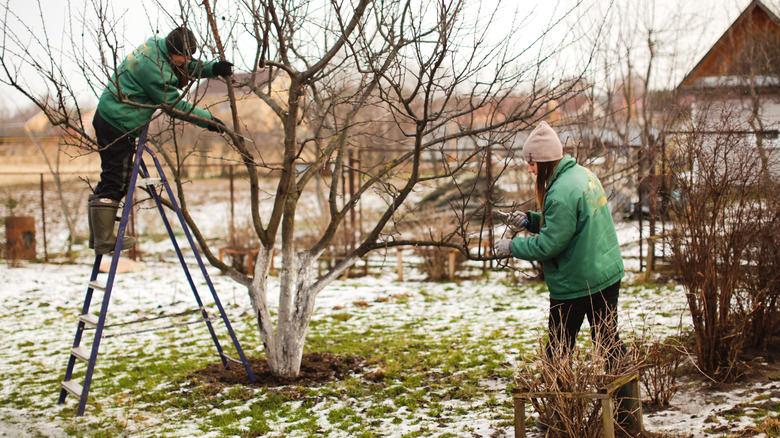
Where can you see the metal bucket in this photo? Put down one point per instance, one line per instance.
(20, 237)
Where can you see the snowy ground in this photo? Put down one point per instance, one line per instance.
(39, 304)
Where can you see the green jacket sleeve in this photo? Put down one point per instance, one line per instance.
(160, 87)
(553, 238)
(534, 221)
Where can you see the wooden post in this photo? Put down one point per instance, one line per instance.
(637, 426)
(489, 203)
(519, 417)
(653, 206)
(452, 265)
(606, 417)
(352, 216)
(232, 209)
(639, 178)
(250, 262)
(630, 406)
(400, 263)
(43, 223)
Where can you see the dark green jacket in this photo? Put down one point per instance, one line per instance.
(146, 77)
(576, 238)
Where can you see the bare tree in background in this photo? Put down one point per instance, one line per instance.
(409, 79)
(633, 103)
(53, 164)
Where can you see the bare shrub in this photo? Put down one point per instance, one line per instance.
(567, 412)
(242, 241)
(435, 260)
(661, 360)
(762, 259)
(720, 221)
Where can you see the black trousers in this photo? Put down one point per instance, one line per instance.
(117, 151)
(566, 317)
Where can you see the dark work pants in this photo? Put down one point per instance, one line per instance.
(117, 152)
(566, 318)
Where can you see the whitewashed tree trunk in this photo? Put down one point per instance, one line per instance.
(298, 289)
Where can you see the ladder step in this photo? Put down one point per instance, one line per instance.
(230, 358)
(95, 284)
(72, 387)
(81, 353)
(140, 182)
(89, 319)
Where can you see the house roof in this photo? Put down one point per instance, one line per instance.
(756, 20)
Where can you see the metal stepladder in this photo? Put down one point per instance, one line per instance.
(88, 320)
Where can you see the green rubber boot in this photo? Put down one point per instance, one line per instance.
(90, 198)
(102, 215)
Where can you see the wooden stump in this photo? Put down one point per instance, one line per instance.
(20, 237)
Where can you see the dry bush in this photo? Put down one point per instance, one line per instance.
(724, 218)
(243, 239)
(769, 426)
(580, 371)
(661, 360)
(762, 276)
(434, 260)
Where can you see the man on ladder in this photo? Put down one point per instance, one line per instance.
(145, 81)
(149, 76)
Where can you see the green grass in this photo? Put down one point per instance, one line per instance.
(341, 316)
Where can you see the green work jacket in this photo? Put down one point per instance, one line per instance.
(146, 77)
(575, 238)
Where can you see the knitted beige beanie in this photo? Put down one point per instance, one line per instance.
(543, 145)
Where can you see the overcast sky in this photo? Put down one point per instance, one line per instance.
(135, 21)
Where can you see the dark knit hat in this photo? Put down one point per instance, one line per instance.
(181, 41)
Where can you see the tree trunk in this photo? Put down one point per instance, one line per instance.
(284, 343)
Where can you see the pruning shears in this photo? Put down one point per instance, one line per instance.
(503, 216)
(244, 137)
(505, 219)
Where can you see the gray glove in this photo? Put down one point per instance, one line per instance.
(501, 248)
(517, 220)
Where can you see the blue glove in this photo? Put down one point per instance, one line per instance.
(501, 248)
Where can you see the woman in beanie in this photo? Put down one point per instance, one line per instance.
(574, 237)
(149, 78)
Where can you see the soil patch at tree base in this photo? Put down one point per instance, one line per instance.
(316, 369)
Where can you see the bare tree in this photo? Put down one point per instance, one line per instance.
(633, 103)
(403, 79)
(53, 164)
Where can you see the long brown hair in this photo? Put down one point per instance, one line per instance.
(544, 171)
